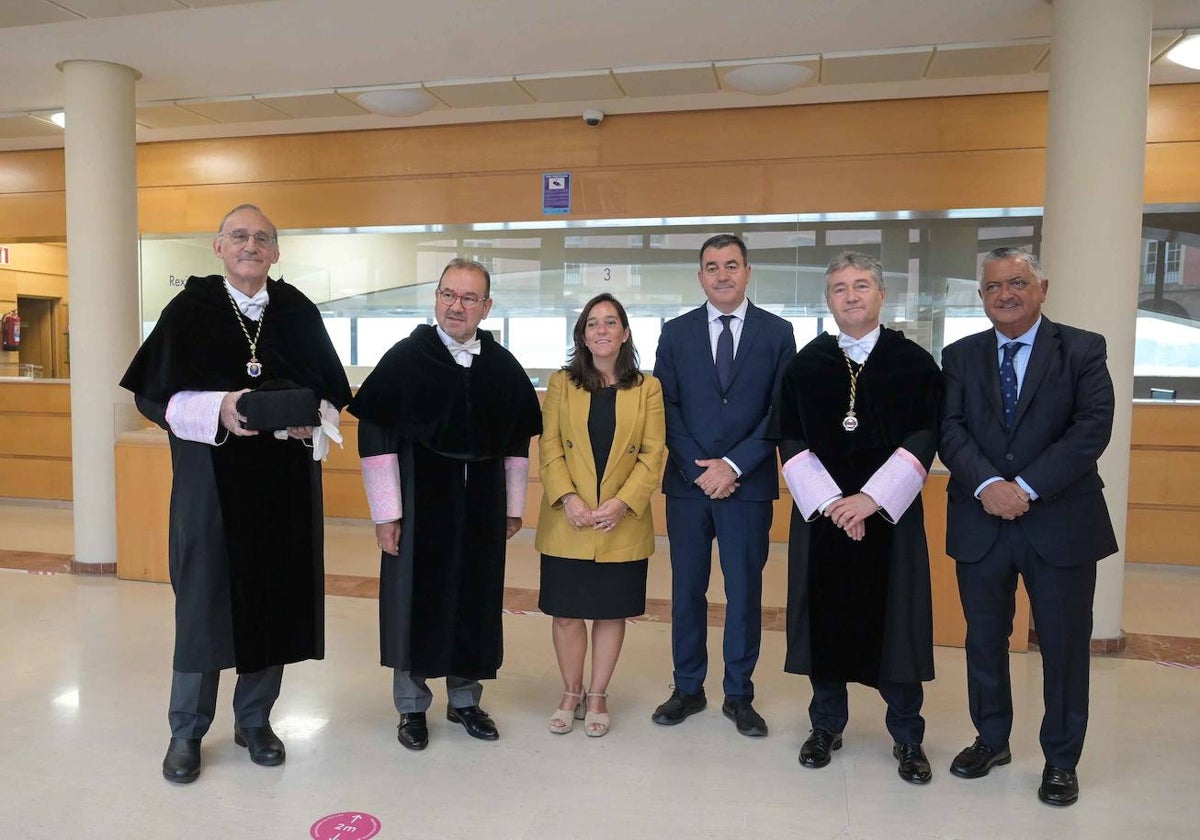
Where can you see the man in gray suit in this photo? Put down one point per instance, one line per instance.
(1028, 411)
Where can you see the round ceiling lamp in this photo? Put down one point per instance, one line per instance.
(767, 79)
(1187, 52)
(397, 102)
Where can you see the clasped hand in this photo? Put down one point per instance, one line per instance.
(718, 481)
(1005, 499)
(850, 514)
(603, 518)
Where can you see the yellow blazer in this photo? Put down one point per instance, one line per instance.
(567, 466)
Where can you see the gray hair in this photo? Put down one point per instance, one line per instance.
(469, 265)
(1009, 252)
(859, 260)
(240, 208)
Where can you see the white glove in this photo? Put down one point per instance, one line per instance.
(327, 431)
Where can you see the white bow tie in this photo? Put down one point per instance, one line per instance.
(856, 348)
(471, 347)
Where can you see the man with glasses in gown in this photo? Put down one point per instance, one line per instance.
(446, 419)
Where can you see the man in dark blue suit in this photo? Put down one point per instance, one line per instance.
(1028, 411)
(719, 366)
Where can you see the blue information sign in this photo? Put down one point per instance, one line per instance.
(556, 192)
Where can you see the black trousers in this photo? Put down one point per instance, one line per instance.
(1061, 600)
(830, 708)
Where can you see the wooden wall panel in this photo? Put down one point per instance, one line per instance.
(36, 397)
(1165, 424)
(1162, 535)
(35, 435)
(143, 470)
(35, 478)
(983, 151)
(1165, 477)
(1007, 178)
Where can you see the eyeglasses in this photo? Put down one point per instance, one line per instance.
(241, 237)
(469, 301)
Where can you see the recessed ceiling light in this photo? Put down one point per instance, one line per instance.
(767, 79)
(59, 118)
(1187, 52)
(401, 102)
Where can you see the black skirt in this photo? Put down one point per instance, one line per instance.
(587, 589)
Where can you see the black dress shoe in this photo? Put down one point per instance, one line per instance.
(914, 766)
(679, 707)
(748, 721)
(977, 759)
(1060, 786)
(476, 721)
(816, 750)
(265, 747)
(182, 762)
(413, 732)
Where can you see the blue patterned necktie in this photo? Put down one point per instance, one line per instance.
(1008, 381)
(725, 352)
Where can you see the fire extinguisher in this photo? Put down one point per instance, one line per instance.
(12, 331)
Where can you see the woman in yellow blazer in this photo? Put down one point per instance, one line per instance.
(602, 443)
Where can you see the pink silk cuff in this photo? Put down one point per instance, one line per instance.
(896, 484)
(809, 483)
(516, 480)
(195, 415)
(381, 480)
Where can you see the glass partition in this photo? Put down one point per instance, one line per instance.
(374, 285)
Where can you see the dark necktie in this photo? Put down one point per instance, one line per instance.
(1008, 381)
(725, 352)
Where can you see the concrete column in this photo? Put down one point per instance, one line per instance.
(1095, 161)
(102, 243)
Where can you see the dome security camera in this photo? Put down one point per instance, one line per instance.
(593, 117)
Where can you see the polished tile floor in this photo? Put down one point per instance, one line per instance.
(83, 730)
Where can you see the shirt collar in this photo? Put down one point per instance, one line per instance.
(739, 313)
(1026, 338)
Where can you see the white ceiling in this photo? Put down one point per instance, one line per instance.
(214, 68)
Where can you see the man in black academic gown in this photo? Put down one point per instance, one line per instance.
(857, 419)
(446, 418)
(246, 535)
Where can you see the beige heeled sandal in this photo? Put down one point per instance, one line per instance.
(563, 720)
(595, 724)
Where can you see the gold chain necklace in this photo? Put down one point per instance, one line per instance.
(254, 366)
(850, 421)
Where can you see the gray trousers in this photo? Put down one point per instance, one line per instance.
(194, 700)
(411, 694)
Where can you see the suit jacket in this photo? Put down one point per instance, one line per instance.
(1062, 424)
(569, 466)
(705, 421)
